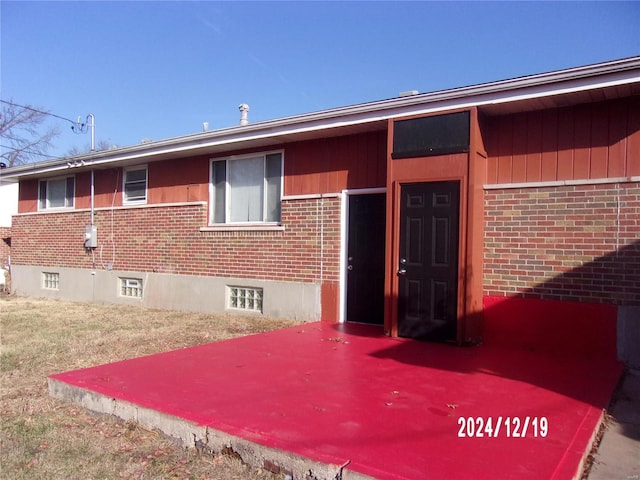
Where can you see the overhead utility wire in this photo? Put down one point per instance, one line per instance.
(39, 111)
(76, 127)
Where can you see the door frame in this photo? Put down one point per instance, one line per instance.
(344, 242)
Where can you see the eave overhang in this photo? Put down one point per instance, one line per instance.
(565, 87)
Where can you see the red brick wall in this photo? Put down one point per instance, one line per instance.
(572, 243)
(167, 239)
(5, 239)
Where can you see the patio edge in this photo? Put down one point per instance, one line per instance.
(202, 437)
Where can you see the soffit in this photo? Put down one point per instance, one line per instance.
(563, 99)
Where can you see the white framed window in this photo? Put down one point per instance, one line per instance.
(56, 193)
(134, 187)
(244, 298)
(131, 287)
(51, 280)
(246, 189)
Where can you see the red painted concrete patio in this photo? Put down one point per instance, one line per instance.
(337, 393)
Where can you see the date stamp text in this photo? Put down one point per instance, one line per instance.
(504, 427)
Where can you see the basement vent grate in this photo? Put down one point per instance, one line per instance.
(245, 298)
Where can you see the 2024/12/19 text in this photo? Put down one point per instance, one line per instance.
(506, 427)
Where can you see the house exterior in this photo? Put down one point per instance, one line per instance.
(8, 208)
(504, 212)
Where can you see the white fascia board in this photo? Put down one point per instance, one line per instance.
(592, 77)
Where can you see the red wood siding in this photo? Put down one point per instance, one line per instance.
(594, 141)
(171, 181)
(28, 196)
(312, 167)
(182, 180)
(333, 164)
(107, 188)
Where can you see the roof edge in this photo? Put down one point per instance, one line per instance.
(492, 92)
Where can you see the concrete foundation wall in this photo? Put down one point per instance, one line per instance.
(290, 300)
(629, 335)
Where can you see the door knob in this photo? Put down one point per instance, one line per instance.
(402, 271)
(349, 267)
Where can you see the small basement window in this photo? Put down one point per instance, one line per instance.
(131, 287)
(51, 280)
(245, 298)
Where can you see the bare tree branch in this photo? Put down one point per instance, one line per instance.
(101, 144)
(21, 134)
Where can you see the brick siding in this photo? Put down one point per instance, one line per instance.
(5, 249)
(167, 239)
(573, 243)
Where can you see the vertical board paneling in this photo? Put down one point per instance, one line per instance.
(519, 159)
(107, 188)
(28, 196)
(582, 143)
(588, 141)
(534, 146)
(599, 142)
(179, 181)
(617, 141)
(334, 164)
(505, 149)
(633, 142)
(549, 156)
(491, 145)
(82, 190)
(565, 144)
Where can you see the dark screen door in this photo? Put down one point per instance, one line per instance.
(365, 258)
(428, 264)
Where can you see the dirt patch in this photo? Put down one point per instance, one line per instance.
(44, 438)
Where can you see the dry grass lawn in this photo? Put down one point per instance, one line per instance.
(43, 438)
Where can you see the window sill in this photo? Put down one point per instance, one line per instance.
(55, 209)
(244, 228)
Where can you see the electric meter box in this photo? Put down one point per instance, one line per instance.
(91, 236)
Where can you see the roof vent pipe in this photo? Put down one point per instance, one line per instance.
(244, 109)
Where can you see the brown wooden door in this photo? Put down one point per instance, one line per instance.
(428, 263)
(365, 258)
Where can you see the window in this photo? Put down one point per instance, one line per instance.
(51, 280)
(429, 136)
(244, 298)
(131, 287)
(246, 189)
(56, 193)
(135, 185)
